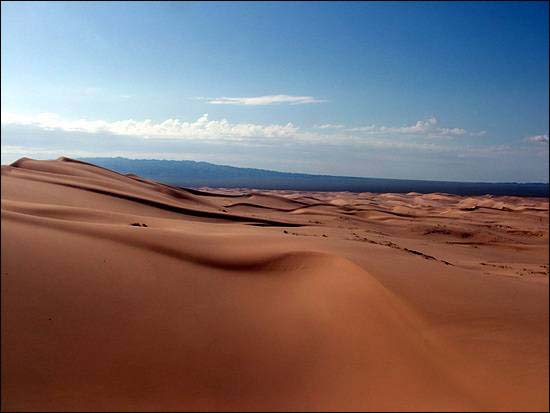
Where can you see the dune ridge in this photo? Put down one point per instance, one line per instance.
(121, 293)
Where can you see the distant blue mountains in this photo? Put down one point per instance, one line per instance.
(198, 174)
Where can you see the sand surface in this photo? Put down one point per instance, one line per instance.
(120, 293)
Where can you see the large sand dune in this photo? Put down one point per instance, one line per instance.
(120, 293)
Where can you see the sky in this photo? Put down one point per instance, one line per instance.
(414, 90)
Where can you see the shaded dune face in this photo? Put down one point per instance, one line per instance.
(119, 293)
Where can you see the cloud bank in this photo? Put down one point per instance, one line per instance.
(223, 130)
(202, 128)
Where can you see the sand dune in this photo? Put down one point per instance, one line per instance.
(120, 293)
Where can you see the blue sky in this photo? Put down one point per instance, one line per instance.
(423, 90)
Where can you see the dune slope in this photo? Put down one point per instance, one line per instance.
(120, 293)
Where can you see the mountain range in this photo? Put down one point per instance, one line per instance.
(203, 174)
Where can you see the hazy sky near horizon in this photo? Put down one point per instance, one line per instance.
(415, 90)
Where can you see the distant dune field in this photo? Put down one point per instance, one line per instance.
(121, 293)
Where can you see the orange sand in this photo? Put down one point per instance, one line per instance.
(120, 293)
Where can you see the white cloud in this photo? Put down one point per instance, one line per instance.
(202, 128)
(371, 128)
(329, 126)
(480, 133)
(450, 131)
(421, 126)
(205, 130)
(427, 128)
(537, 139)
(264, 100)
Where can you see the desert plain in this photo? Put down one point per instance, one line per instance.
(120, 293)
